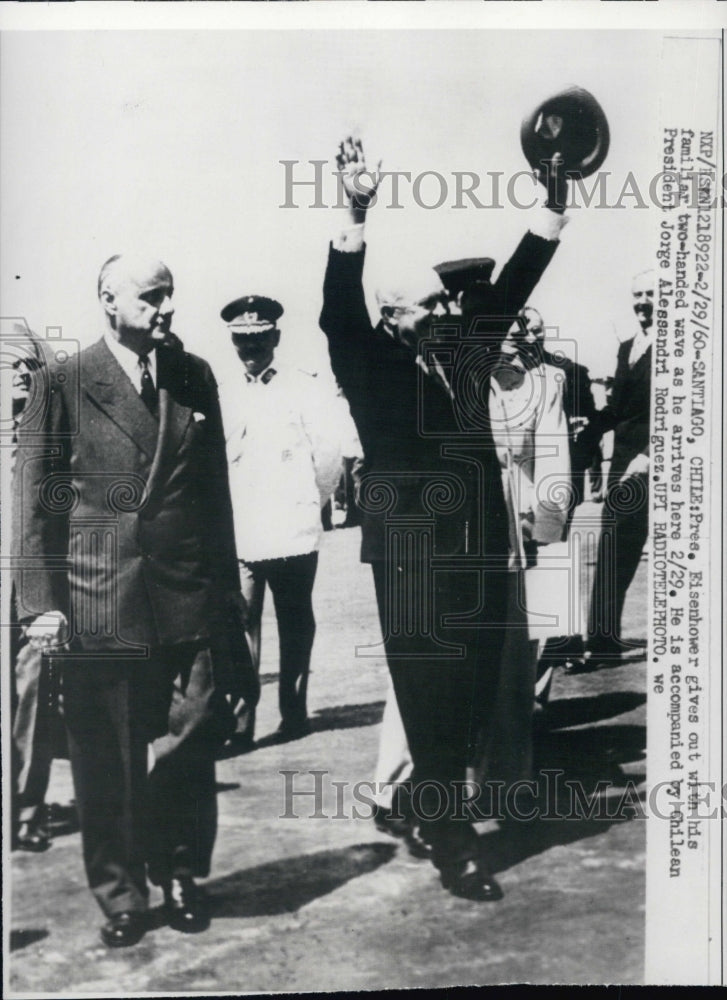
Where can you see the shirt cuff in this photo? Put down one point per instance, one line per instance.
(350, 239)
(548, 224)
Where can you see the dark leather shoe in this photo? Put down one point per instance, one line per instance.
(396, 825)
(31, 837)
(403, 828)
(185, 909)
(240, 743)
(471, 879)
(606, 651)
(124, 929)
(581, 665)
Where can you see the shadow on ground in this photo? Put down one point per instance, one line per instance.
(347, 716)
(580, 788)
(335, 717)
(22, 938)
(285, 885)
(627, 659)
(513, 841)
(579, 711)
(593, 755)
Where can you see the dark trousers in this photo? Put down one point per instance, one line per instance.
(34, 711)
(445, 701)
(166, 819)
(624, 531)
(345, 494)
(291, 582)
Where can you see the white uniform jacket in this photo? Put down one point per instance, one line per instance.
(284, 459)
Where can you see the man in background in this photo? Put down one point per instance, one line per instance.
(584, 452)
(578, 403)
(625, 518)
(283, 448)
(35, 682)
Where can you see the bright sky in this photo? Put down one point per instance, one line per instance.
(169, 143)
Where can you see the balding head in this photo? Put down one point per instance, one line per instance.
(411, 287)
(409, 304)
(136, 293)
(131, 267)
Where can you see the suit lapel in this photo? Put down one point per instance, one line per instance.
(108, 385)
(644, 362)
(174, 418)
(174, 413)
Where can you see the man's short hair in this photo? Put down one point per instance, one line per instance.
(648, 273)
(138, 263)
(104, 272)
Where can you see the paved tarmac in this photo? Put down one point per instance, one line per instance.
(325, 902)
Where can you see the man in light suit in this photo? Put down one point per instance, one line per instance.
(33, 688)
(125, 556)
(578, 402)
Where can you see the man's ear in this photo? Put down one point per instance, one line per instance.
(108, 302)
(388, 314)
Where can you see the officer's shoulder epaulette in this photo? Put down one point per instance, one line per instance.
(310, 372)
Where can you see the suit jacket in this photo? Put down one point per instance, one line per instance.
(428, 451)
(627, 413)
(284, 457)
(124, 522)
(578, 403)
(530, 436)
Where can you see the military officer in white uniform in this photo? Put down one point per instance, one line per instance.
(284, 461)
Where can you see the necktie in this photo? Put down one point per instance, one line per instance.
(148, 390)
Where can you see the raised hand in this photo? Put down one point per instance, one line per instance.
(359, 183)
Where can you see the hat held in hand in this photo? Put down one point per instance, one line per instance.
(571, 123)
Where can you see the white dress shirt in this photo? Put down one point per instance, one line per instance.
(639, 347)
(129, 361)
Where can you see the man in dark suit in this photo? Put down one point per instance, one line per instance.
(126, 570)
(625, 519)
(434, 524)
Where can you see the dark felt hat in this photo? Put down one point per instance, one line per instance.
(252, 313)
(456, 275)
(571, 123)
